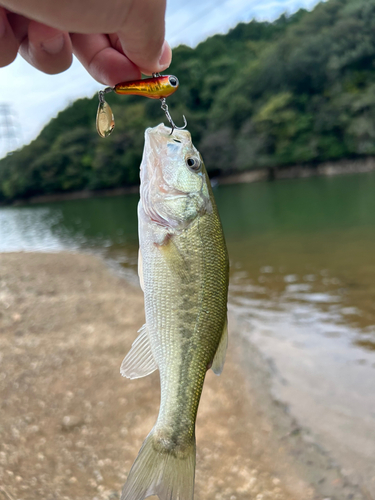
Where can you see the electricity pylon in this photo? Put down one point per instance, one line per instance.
(9, 131)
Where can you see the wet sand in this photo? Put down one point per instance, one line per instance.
(71, 426)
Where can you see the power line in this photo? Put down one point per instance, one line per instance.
(199, 16)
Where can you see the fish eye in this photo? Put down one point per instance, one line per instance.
(194, 164)
(173, 81)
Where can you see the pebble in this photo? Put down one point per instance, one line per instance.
(70, 421)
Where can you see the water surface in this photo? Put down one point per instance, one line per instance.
(302, 281)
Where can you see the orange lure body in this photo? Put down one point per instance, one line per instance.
(153, 88)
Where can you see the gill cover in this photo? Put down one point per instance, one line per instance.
(173, 178)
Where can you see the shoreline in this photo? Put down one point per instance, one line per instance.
(297, 448)
(71, 425)
(326, 169)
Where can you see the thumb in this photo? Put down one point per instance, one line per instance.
(142, 36)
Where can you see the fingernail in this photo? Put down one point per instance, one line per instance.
(54, 45)
(165, 57)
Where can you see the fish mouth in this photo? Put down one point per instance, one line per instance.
(162, 135)
(157, 142)
(154, 190)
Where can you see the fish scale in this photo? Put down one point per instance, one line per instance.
(184, 272)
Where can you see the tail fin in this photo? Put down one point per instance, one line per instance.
(158, 471)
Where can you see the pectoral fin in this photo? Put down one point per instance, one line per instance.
(139, 361)
(219, 359)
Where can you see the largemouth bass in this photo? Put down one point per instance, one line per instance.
(183, 270)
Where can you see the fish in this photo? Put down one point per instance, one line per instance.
(154, 88)
(183, 270)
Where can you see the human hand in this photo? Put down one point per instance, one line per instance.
(115, 40)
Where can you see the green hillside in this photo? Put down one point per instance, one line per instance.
(298, 90)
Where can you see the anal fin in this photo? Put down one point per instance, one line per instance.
(139, 361)
(219, 359)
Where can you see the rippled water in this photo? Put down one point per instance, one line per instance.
(302, 281)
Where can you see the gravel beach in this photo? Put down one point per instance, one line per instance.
(71, 426)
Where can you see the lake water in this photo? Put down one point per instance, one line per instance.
(302, 282)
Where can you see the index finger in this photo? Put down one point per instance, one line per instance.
(104, 63)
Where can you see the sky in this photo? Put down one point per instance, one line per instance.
(33, 98)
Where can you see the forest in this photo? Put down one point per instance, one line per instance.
(299, 90)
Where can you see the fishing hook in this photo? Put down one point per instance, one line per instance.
(164, 107)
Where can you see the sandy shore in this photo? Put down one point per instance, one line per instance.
(71, 426)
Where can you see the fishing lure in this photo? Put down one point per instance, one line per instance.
(157, 87)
